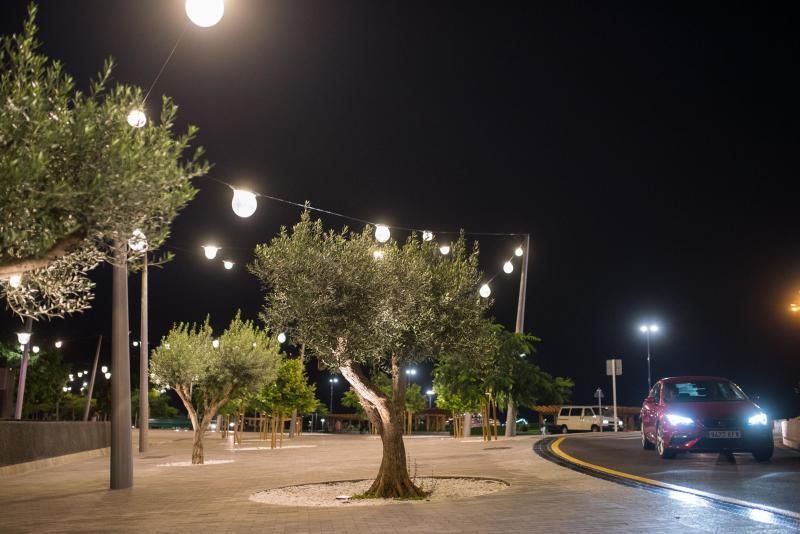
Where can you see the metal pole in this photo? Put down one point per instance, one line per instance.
(511, 413)
(88, 405)
(649, 383)
(121, 446)
(600, 411)
(144, 382)
(23, 370)
(614, 388)
(331, 403)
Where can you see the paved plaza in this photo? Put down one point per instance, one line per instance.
(542, 497)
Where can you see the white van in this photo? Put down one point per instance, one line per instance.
(588, 418)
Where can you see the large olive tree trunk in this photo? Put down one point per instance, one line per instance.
(387, 415)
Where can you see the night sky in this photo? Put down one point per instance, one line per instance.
(649, 150)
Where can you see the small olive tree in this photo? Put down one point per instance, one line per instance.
(206, 377)
(357, 311)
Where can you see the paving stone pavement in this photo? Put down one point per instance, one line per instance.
(542, 497)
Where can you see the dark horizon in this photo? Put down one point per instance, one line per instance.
(649, 151)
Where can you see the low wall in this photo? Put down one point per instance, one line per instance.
(790, 431)
(27, 441)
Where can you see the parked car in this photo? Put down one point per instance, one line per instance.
(704, 414)
(588, 418)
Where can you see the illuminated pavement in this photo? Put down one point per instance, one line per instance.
(543, 496)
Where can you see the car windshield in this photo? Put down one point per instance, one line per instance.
(703, 391)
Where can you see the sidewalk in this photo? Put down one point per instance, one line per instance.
(214, 498)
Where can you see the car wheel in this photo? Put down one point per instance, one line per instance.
(646, 445)
(595, 428)
(763, 455)
(662, 449)
(564, 429)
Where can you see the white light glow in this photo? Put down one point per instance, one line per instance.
(382, 233)
(107, 375)
(135, 343)
(58, 344)
(518, 251)
(71, 376)
(228, 264)
(210, 251)
(654, 328)
(138, 241)
(15, 280)
(244, 203)
(215, 343)
(429, 392)
(205, 13)
(104, 369)
(281, 338)
(445, 249)
(80, 374)
(35, 349)
(643, 328)
(427, 235)
(485, 291)
(137, 118)
(758, 419)
(508, 267)
(378, 254)
(675, 419)
(23, 337)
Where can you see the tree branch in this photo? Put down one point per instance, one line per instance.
(58, 250)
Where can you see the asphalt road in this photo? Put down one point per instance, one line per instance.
(776, 483)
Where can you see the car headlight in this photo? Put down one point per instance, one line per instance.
(675, 419)
(605, 421)
(758, 419)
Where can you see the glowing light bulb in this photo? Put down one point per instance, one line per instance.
(108, 376)
(80, 374)
(485, 291)
(210, 251)
(104, 369)
(427, 235)
(137, 242)
(15, 280)
(137, 118)
(23, 337)
(215, 343)
(508, 267)
(58, 344)
(228, 264)
(281, 338)
(518, 251)
(35, 349)
(205, 13)
(382, 233)
(135, 343)
(244, 203)
(378, 254)
(445, 249)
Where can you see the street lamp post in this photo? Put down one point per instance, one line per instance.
(519, 327)
(647, 330)
(333, 381)
(430, 394)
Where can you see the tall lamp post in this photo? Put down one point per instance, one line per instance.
(333, 381)
(430, 393)
(519, 327)
(647, 330)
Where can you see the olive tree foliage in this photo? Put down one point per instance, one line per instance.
(204, 377)
(358, 313)
(76, 179)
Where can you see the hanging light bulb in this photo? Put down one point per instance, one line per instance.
(210, 251)
(215, 343)
(427, 235)
(35, 349)
(58, 344)
(281, 338)
(80, 374)
(137, 118)
(244, 203)
(104, 369)
(445, 249)
(71, 377)
(166, 346)
(378, 254)
(518, 252)
(108, 376)
(15, 280)
(23, 337)
(135, 343)
(382, 233)
(485, 291)
(227, 264)
(137, 242)
(205, 13)
(508, 267)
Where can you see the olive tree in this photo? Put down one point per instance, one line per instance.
(206, 376)
(360, 306)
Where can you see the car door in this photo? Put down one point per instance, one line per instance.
(650, 412)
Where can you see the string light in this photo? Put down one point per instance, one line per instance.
(15, 280)
(108, 376)
(508, 267)
(35, 349)
(518, 252)
(138, 241)
(485, 291)
(137, 118)
(104, 368)
(382, 233)
(58, 344)
(445, 249)
(80, 374)
(281, 338)
(228, 264)
(378, 254)
(135, 343)
(215, 343)
(427, 235)
(210, 251)
(244, 203)
(205, 13)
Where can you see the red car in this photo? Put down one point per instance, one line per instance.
(704, 414)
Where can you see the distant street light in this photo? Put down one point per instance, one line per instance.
(35, 349)
(58, 344)
(333, 381)
(210, 251)
(647, 330)
(430, 393)
(23, 337)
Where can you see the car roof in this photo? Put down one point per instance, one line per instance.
(694, 378)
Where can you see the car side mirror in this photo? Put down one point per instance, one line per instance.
(649, 400)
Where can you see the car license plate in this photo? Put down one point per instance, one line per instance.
(724, 434)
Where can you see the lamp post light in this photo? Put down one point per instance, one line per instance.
(430, 393)
(24, 339)
(647, 330)
(409, 374)
(333, 381)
